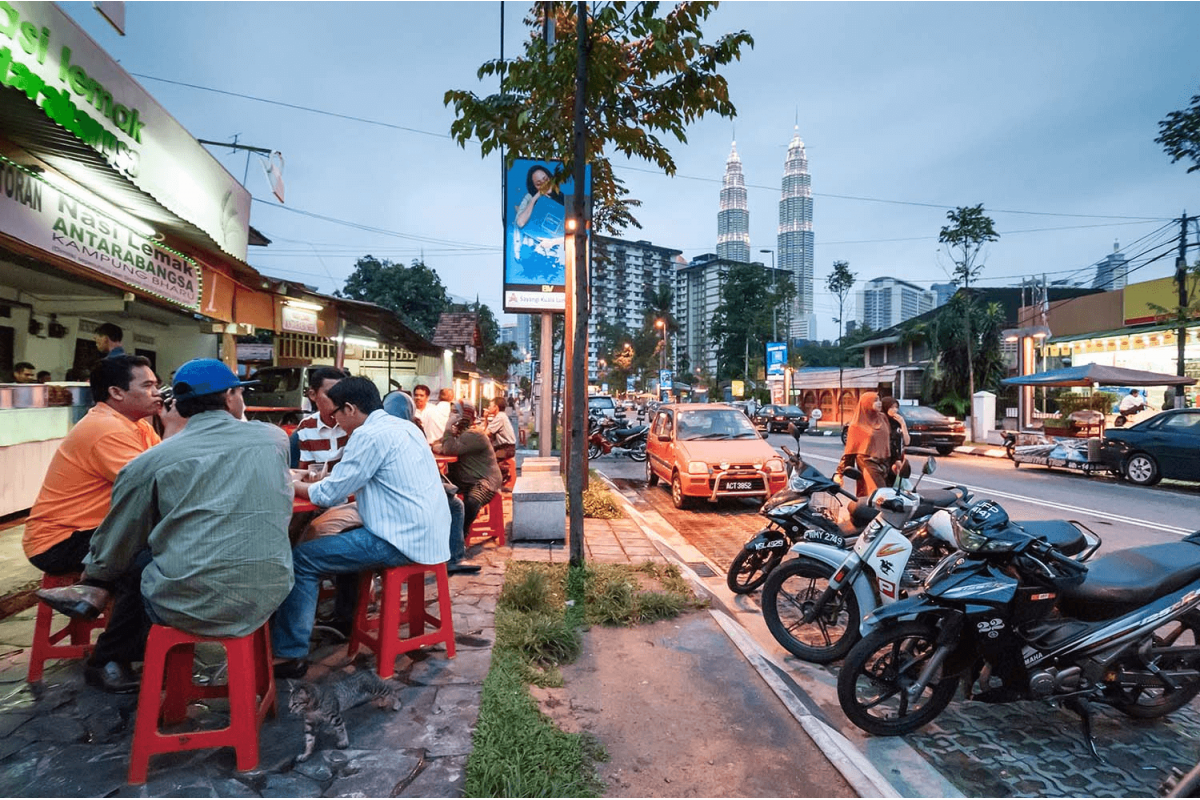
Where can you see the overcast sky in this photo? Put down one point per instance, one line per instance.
(1044, 112)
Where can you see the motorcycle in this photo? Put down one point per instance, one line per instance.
(1015, 618)
(797, 514)
(606, 435)
(812, 604)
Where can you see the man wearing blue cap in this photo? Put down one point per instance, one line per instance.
(198, 526)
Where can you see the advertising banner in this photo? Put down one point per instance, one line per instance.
(664, 378)
(81, 88)
(776, 357)
(1141, 299)
(298, 320)
(535, 259)
(737, 388)
(39, 214)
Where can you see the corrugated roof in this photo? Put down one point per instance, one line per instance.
(457, 329)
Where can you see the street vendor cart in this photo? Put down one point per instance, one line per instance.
(1079, 447)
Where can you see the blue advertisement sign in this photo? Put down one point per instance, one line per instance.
(535, 259)
(629, 384)
(664, 378)
(776, 357)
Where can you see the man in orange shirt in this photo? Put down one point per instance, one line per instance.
(77, 490)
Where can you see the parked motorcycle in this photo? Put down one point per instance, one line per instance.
(606, 435)
(1020, 620)
(796, 514)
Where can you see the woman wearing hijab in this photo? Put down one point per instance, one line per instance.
(899, 437)
(868, 445)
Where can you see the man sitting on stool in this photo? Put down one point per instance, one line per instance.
(389, 467)
(475, 472)
(197, 532)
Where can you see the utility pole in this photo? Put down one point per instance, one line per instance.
(1181, 285)
(578, 303)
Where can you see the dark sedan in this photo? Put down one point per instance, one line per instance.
(776, 418)
(1166, 445)
(930, 428)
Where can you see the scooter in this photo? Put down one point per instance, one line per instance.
(605, 435)
(1017, 619)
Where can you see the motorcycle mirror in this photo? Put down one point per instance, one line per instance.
(852, 472)
(795, 434)
(930, 466)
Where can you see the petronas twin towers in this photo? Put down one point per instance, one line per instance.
(795, 240)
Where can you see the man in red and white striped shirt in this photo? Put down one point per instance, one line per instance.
(321, 439)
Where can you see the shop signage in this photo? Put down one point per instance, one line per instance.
(44, 54)
(39, 214)
(776, 357)
(1146, 301)
(299, 320)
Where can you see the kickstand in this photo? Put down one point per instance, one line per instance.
(1081, 707)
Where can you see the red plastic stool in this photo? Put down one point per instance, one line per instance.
(169, 656)
(46, 641)
(489, 523)
(380, 632)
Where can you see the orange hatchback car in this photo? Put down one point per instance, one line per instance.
(710, 451)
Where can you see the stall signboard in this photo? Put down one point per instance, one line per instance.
(776, 357)
(298, 320)
(535, 258)
(78, 86)
(41, 215)
(737, 388)
(1156, 300)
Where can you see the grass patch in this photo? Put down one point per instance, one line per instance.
(517, 751)
(598, 501)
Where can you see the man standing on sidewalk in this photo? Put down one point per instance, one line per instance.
(197, 534)
(389, 468)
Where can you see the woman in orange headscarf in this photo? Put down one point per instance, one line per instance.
(868, 445)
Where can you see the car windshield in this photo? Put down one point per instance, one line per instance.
(921, 413)
(601, 402)
(276, 381)
(714, 424)
(791, 411)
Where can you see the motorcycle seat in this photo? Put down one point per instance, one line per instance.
(1058, 532)
(627, 432)
(861, 515)
(933, 499)
(1121, 582)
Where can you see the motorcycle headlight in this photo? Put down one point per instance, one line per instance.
(798, 484)
(697, 467)
(789, 509)
(975, 542)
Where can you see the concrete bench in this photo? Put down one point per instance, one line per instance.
(539, 502)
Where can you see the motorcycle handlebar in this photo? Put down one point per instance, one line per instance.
(1067, 564)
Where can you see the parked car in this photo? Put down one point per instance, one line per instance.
(710, 451)
(279, 396)
(776, 418)
(928, 427)
(1166, 445)
(743, 406)
(604, 404)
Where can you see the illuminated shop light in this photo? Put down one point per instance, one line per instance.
(304, 304)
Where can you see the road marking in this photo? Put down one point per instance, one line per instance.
(1154, 526)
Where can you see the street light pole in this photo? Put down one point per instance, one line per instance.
(661, 324)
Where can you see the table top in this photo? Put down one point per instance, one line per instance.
(301, 505)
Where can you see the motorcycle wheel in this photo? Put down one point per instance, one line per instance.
(791, 590)
(750, 569)
(874, 681)
(594, 452)
(1147, 702)
(638, 453)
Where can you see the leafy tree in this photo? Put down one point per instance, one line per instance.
(742, 322)
(964, 241)
(839, 282)
(649, 76)
(950, 334)
(414, 293)
(1179, 134)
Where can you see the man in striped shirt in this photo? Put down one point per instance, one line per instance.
(321, 438)
(390, 469)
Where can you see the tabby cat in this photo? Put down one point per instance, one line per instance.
(323, 704)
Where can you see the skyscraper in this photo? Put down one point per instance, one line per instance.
(795, 241)
(1112, 271)
(733, 220)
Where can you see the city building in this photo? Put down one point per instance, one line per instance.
(733, 220)
(621, 274)
(942, 293)
(697, 295)
(1111, 272)
(795, 241)
(884, 302)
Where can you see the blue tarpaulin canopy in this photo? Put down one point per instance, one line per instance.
(1091, 374)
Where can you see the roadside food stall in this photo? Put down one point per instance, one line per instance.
(1079, 449)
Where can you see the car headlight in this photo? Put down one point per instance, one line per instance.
(973, 542)
(724, 465)
(775, 465)
(697, 467)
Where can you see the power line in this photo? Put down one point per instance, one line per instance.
(370, 228)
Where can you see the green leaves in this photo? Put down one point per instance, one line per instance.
(1179, 134)
(649, 76)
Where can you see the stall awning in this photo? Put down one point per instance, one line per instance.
(850, 378)
(1091, 374)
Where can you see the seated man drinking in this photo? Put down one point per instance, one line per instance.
(390, 469)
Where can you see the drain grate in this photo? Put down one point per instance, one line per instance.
(701, 569)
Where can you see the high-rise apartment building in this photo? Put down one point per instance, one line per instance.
(621, 273)
(733, 220)
(884, 302)
(795, 241)
(942, 292)
(1112, 272)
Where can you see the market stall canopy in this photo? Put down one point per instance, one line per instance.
(1089, 374)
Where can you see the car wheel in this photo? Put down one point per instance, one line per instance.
(678, 498)
(651, 477)
(1142, 469)
(945, 450)
(845, 433)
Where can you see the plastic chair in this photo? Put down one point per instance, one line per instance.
(489, 523)
(380, 632)
(46, 641)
